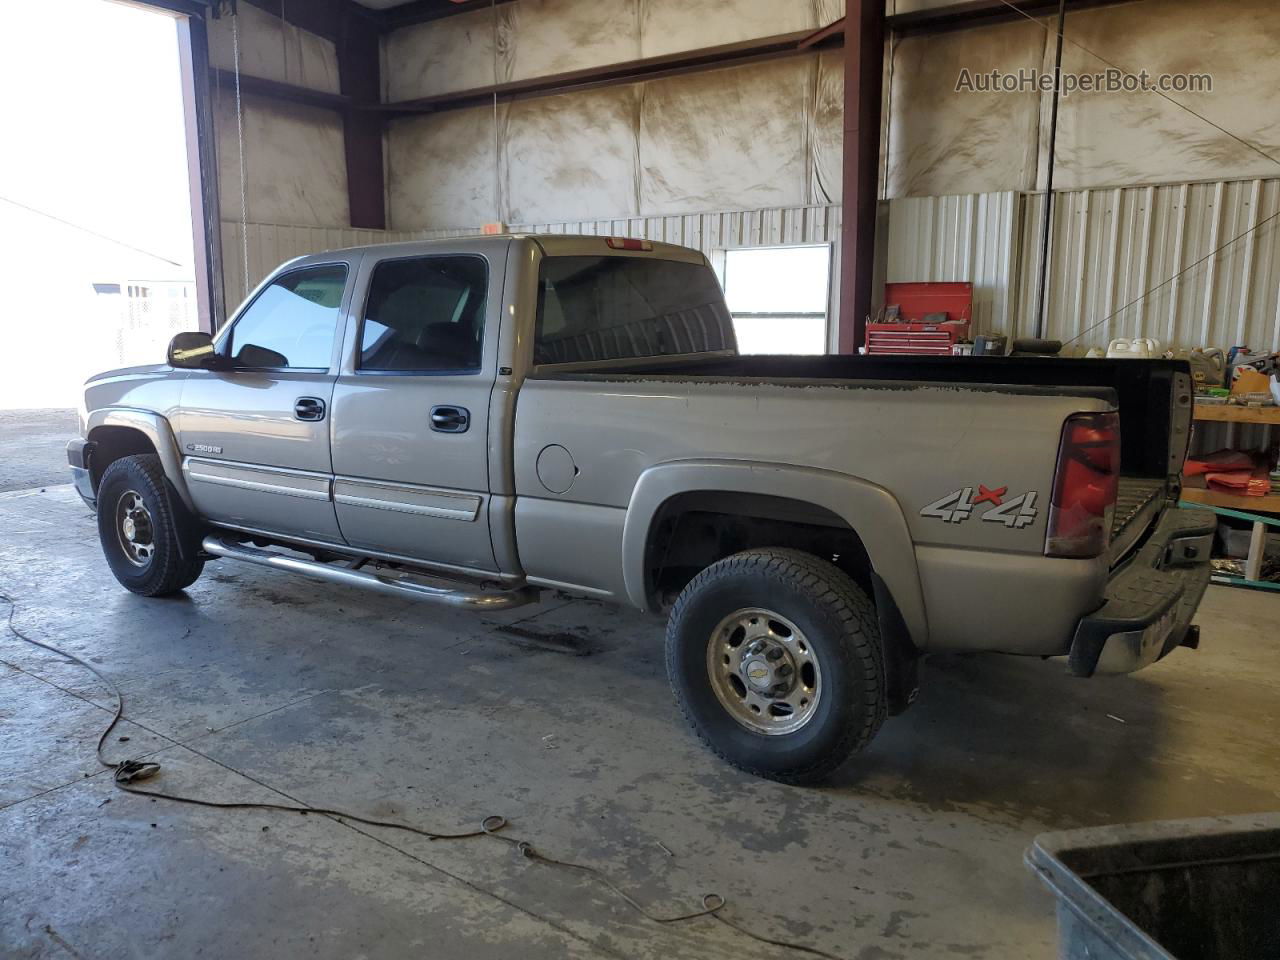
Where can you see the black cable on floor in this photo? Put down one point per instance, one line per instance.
(125, 773)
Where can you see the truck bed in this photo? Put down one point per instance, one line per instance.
(1153, 397)
(1147, 392)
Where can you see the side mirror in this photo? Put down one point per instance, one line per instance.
(252, 355)
(194, 350)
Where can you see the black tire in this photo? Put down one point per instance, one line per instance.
(835, 619)
(173, 561)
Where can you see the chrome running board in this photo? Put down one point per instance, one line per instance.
(463, 596)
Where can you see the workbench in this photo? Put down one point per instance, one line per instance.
(1234, 505)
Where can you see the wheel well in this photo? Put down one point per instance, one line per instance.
(112, 443)
(693, 530)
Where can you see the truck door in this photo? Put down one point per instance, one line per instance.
(411, 410)
(255, 438)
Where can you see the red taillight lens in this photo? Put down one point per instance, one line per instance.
(1084, 487)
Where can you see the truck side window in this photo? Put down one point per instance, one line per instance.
(292, 322)
(425, 315)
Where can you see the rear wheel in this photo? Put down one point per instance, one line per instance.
(147, 534)
(776, 661)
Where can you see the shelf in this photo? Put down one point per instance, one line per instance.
(1227, 413)
(1216, 498)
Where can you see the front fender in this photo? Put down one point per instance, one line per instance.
(157, 430)
(870, 510)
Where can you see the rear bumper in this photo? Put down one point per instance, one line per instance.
(1149, 602)
(79, 451)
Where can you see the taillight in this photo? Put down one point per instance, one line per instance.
(1084, 487)
(628, 243)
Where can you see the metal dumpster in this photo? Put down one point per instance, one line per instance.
(1206, 889)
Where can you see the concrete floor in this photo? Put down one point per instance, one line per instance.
(255, 685)
(33, 447)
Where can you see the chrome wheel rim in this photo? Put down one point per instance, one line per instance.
(764, 671)
(134, 529)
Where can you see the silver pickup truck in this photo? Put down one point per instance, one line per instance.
(472, 421)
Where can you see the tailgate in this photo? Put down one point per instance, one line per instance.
(1138, 504)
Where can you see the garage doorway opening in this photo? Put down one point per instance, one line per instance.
(779, 297)
(97, 250)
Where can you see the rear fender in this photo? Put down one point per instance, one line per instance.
(870, 511)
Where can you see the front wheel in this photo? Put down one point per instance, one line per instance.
(776, 661)
(146, 533)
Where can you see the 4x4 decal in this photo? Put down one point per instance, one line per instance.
(958, 505)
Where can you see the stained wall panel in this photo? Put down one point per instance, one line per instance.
(944, 141)
(826, 141)
(572, 156)
(1123, 138)
(536, 38)
(294, 159)
(294, 163)
(543, 37)
(941, 141)
(441, 169)
(440, 56)
(274, 50)
(725, 139)
(668, 26)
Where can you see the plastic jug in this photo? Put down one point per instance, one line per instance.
(1143, 348)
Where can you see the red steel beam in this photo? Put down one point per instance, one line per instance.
(275, 90)
(979, 13)
(863, 88)
(632, 71)
(360, 79)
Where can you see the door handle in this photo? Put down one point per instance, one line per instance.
(446, 419)
(308, 408)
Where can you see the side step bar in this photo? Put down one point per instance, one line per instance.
(463, 596)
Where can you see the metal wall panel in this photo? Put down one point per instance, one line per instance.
(267, 245)
(1159, 261)
(1110, 247)
(973, 237)
(1114, 256)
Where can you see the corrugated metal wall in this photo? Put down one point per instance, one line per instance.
(271, 244)
(1145, 261)
(973, 237)
(1113, 259)
(1109, 248)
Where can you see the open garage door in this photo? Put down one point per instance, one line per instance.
(97, 259)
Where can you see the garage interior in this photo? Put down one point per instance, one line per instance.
(822, 155)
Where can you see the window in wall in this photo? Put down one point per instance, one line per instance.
(425, 314)
(778, 298)
(293, 321)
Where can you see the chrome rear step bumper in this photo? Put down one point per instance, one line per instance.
(462, 595)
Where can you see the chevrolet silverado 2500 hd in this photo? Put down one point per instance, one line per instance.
(471, 421)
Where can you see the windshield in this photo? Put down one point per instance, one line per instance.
(613, 308)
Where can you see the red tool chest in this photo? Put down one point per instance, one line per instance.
(909, 332)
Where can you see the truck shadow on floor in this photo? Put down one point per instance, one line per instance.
(1021, 740)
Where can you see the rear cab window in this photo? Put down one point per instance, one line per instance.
(623, 307)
